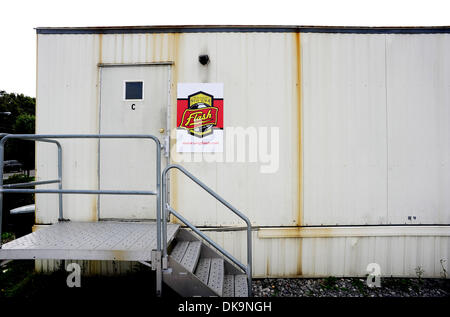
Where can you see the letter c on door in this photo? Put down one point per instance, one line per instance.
(133, 106)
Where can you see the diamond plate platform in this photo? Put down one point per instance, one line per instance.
(104, 240)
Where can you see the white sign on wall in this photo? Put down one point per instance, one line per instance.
(200, 117)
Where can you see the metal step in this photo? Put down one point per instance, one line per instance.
(240, 286)
(228, 286)
(191, 255)
(202, 271)
(216, 274)
(179, 250)
(198, 270)
(235, 286)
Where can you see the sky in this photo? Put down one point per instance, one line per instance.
(18, 18)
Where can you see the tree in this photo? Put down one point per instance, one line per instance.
(17, 115)
(24, 150)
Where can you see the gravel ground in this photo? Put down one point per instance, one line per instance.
(351, 287)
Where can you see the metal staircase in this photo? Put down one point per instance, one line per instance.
(195, 269)
(186, 259)
(225, 279)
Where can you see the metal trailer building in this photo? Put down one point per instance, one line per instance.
(360, 155)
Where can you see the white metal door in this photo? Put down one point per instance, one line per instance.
(134, 100)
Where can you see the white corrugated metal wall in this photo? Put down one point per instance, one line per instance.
(231, 64)
(67, 102)
(376, 112)
(375, 144)
(418, 103)
(344, 129)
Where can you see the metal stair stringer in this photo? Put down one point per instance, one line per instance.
(211, 275)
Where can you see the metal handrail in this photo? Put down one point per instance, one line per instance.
(5, 138)
(167, 210)
(30, 184)
(204, 236)
(60, 191)
(161, 190)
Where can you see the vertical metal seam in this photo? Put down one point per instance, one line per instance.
(168, 136)
(35, 127)
(299, 130)
(387, 128)
(300, 148)
(99, 100)
(99, 83)
(174, 186)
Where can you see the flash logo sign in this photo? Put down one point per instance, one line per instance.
(200, 117)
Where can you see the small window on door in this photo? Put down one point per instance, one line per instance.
(134, 90)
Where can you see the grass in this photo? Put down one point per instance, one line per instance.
(18, 178)
(360, 285)
(13, 277)
(329, 282)
(7, 236)
(402, 284)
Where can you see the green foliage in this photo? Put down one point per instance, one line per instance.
(18, 178)
(7, 236)
(16, 104)
(24, 123)
(329, 282)
(21, 119)
(357, 283)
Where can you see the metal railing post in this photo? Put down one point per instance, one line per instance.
(249, 259)
(2, 148)
(164, 219)
(60, 206)
(158, 218)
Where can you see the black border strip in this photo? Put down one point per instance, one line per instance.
(243, 29)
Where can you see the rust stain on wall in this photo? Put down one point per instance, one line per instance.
(147, 48)
(100, 48)
(307, 232)
(119, 255)
(174, 55)
(122, 50)
(94, 210)
(153, 44)
(161, 44)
